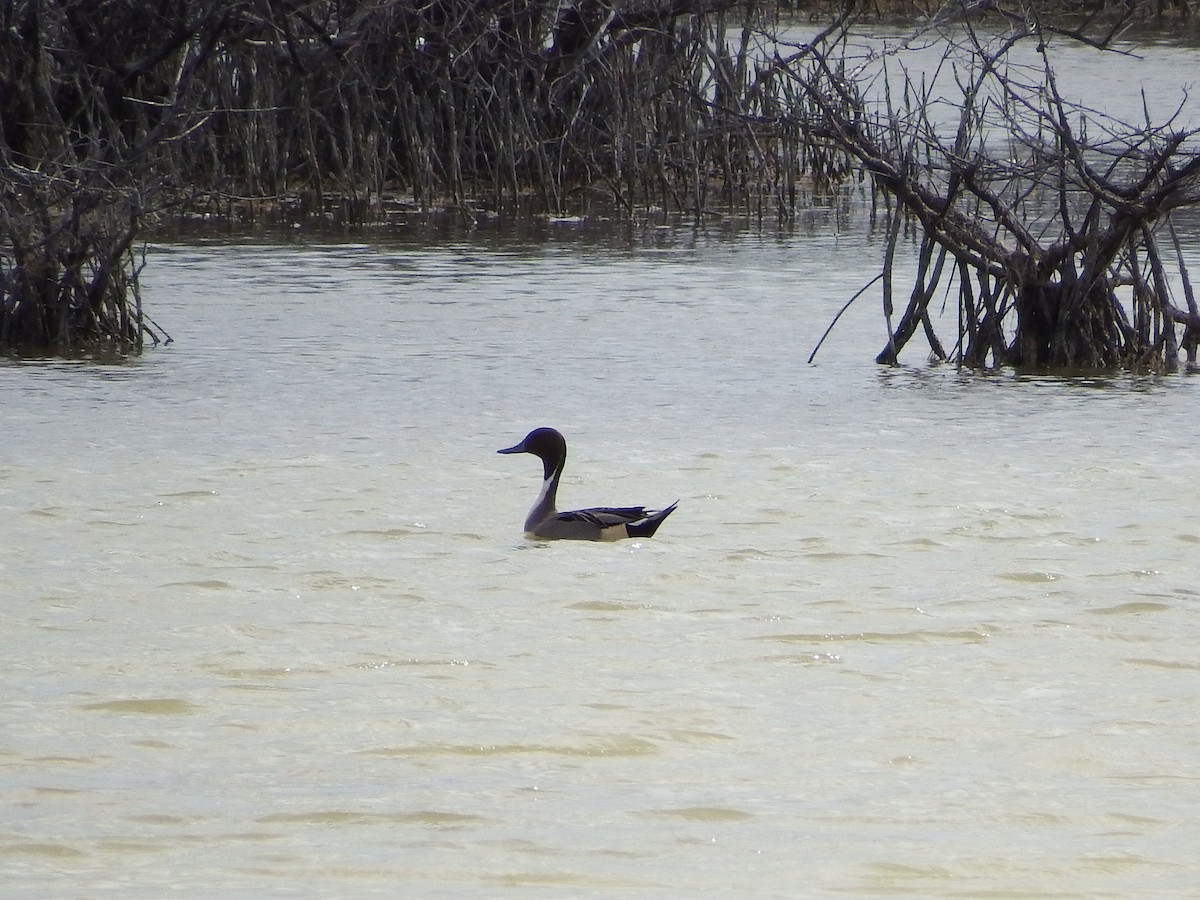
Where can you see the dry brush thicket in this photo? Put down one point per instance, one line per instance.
(1048, 223)
(113, 113)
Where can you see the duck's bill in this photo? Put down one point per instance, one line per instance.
(519, 448)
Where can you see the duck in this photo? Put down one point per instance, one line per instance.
(602, 523)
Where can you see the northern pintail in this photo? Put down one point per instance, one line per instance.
(597, 524)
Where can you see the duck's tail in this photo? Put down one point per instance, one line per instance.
(647, 526)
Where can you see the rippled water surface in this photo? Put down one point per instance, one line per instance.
(270, 625)
(270, 628)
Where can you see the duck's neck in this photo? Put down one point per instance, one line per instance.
(544, 507)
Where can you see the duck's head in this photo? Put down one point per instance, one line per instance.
(545, 443)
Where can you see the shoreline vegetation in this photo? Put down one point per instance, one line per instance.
(121, 117)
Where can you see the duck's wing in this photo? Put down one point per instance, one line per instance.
(603, 523)
(605, 516)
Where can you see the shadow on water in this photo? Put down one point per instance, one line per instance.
(948, 381)
(944, 376)
(847, 208)
(113, 366)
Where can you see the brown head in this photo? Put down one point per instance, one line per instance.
(545, 443)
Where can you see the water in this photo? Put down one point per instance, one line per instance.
(1144, 72)
(270, 627)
